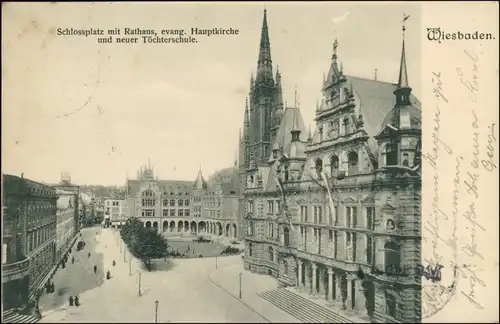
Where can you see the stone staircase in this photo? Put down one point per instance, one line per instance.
(301, 308)
(11, 316)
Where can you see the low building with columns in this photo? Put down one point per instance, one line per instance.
(337, 213)
(185, 207)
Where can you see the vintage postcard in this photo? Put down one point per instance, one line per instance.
(288, 162)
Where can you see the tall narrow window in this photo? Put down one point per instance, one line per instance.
(391, 154)
(369, 249)
(334, 165)
(370, 214)
(353, 167)
(319, 168)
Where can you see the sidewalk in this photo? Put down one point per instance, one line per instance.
(227, 278)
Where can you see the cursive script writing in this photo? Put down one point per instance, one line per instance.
(472, 84)
(469, 247)
(489, 163)
(468, 273)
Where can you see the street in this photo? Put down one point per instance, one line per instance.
(76, 278)
(182, 288)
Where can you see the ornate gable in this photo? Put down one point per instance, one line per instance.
(368, 200)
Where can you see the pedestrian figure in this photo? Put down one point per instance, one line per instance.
(73, 260)
(108, 275)
(52, 287)
(77, 301)
(70, 300)
(114, 263)
(89, 254)
(95, 269)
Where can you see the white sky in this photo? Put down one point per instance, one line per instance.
(181, 105)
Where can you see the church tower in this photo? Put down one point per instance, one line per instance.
(262, 117)
(263, 105)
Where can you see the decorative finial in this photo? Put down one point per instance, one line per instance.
(335, 45)
(341, 67)
(405, 18)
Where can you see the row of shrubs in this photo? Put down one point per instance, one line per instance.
(201, 239)
(231, 251)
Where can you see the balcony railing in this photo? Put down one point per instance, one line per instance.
(15, 270)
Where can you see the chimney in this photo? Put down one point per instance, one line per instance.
(375, 78)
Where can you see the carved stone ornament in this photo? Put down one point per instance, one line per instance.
(390, 225)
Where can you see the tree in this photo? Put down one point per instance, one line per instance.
(130, 229)
(144, 243)
(149, 245)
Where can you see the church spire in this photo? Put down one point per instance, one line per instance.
(246, 123)
(264, 64)
(403, 89)
(295, 125)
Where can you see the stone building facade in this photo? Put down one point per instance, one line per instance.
(67, 219)
(185, 207)
(29, 238)
(115, 211)
(337, 214)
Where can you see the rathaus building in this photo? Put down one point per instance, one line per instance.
(199, 206)
(336, 213)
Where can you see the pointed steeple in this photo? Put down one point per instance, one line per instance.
(252, 81)
(295, 125)
(246, 123)
(235, 159)
(278, 77)
(403, 73)
(264, 64)
(200, 183)
(403, 89)
(309, 135)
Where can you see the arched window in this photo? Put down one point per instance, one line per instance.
(352, 159)
(334, 164)
(286, 173)
(250, 249)
(391, 154)
(319, 167)
(286, 236)
(271, 253)
(392, 257)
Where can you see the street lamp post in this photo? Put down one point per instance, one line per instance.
(129, 264)
(217, 250)
(140, 294)
(156, 310)
(240, 283)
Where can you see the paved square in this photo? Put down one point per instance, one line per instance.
(182, 287)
